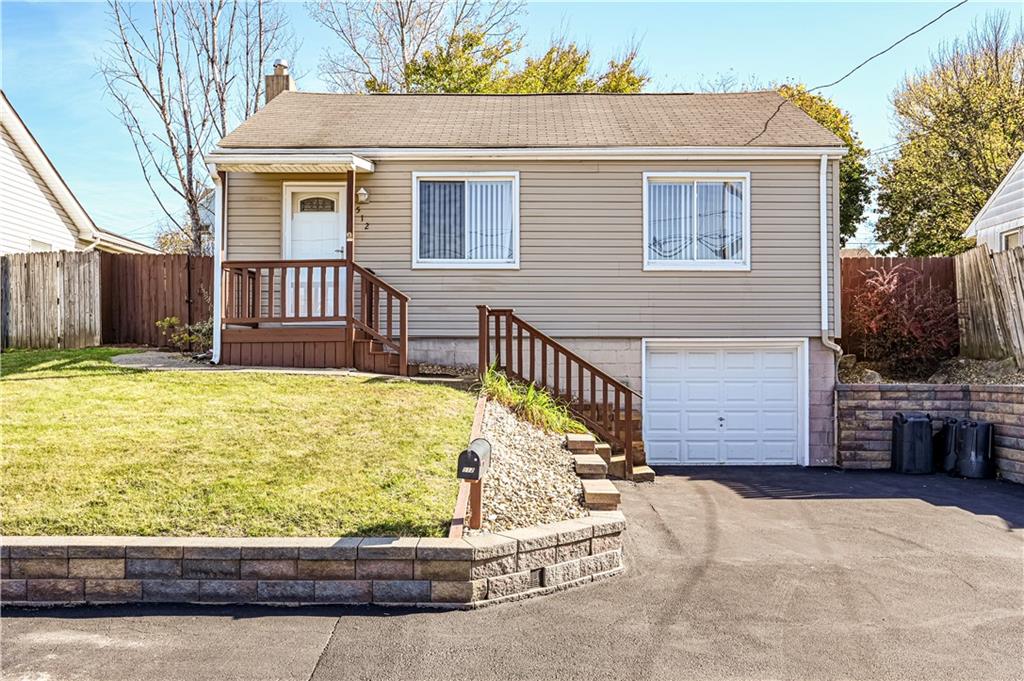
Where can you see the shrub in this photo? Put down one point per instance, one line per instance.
(198, 337)
(905, 323)
(530, 403)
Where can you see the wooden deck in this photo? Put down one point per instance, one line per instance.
(314, 314)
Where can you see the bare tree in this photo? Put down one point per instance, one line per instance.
(379, 38)
(181, 73)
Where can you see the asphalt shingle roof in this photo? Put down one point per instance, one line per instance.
(317, 120)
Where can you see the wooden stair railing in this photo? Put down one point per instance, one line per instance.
(382, 313)
(525, 353)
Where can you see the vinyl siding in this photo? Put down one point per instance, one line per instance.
(581, 251)
(1005, 210)
(29, 211)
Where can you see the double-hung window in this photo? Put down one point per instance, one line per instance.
(468, 220)
(696, 221)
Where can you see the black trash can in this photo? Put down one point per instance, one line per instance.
(974, 454)
(944, 445)
(912, 443)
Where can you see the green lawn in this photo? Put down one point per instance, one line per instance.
(93, 448)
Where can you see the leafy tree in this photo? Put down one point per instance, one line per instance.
(961, 127)
(854, 175)
(469, 64)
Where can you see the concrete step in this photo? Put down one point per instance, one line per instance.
(590, 466)
(643, 474)
(600, 495)
(604, 451)
(578, 443)
(617, 466)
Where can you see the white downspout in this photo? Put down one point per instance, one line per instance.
(826, 339)
(218, 242)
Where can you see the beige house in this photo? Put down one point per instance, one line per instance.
(38, 211)
(678, 250)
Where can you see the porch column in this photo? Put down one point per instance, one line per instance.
(219, 197)
(350, 253)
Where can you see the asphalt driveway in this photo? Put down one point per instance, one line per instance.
(732, 574)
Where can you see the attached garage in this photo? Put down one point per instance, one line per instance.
(726, 402)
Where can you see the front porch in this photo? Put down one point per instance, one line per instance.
(312, 314)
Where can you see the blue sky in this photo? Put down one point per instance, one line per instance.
(49, 70)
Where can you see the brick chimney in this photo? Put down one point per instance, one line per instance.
(279, 81)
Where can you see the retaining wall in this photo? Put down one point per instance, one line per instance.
(866, 410)
(448, 573)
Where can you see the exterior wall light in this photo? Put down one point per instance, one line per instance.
(363, 196)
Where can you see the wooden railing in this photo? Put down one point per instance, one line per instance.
(523, 352)
(258, 291)
(316, 291)
(381, 312)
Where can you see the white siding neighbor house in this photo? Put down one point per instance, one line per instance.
(1000, 223)
(38, 212)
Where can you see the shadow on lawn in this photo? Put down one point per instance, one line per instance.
(980, 497)
(49, 364)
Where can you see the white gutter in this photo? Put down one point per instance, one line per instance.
(218, 224)
(826, 339)
(271, 157)
(328, 155)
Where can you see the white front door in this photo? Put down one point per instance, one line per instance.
(724, 403)
(314, 230)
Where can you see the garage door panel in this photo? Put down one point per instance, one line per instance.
(701, 392)
(664, 451)
(740, 451)
(727, 405)
(779, 451)
(664, 391)
(665, 423)
(701, 422)
(701, 451)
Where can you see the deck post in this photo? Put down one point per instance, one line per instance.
(628, 467)
(485, 342)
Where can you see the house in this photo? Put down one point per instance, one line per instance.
(855, 253)
(672, 260)
(1000, 222)
(39, 212)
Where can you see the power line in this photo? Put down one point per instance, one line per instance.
(856, 68)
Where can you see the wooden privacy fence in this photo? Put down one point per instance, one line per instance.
(936, 271)
(50, 300)
(140, 290)
(991, 303)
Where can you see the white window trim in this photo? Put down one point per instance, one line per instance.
(699, 265)
(291, 188)
(417, 263)
(1005, 236)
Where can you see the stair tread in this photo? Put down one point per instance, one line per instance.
(589, 464)
(600, 491)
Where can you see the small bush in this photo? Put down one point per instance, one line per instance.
(905, 323)
(530, 403)
(198, 337)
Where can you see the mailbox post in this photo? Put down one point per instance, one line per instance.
(473, 465)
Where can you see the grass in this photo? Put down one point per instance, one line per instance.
(93, 448)
(530, 403)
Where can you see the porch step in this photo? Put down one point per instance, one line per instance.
(603, 450)
(600, 495)
(643, 474)
(590, 466)
(578, 443)
(617, 466)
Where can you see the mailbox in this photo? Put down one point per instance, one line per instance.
(474, 462)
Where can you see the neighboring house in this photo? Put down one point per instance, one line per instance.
(1000, 222)
(38, 211)
(686, 244)
(855, 253)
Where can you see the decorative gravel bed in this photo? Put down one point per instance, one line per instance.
(531, 479)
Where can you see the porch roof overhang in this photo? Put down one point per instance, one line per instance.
(287, 161)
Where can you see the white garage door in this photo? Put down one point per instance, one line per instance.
(724, 403)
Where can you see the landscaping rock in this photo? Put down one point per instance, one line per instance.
(531, 479)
